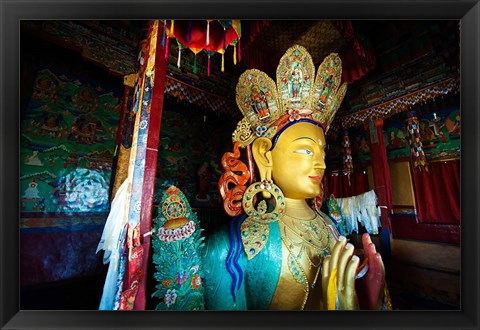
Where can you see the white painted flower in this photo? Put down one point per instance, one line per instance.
(170, 297)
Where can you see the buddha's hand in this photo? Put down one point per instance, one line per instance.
(370, 287)
(341, 289)
(338, 277)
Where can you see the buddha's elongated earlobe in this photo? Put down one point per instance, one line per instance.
(263, 158)
(261, 152)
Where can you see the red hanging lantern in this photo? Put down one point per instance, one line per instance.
(209, 36)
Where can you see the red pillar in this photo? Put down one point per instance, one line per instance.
(381, 172)
(151, 156)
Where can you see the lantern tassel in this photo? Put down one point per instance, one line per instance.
(223, 61)
(235, 54)
(179, 56)
(172, 26)
(208, 32)
(208, 66)
(224, 38)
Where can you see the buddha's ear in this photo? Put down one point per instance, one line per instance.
(262, 155)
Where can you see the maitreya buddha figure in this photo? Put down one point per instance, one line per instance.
(277, 252)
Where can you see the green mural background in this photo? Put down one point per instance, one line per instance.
(439, 133)
(66, 146)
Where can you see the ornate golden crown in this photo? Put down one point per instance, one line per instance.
(267, 107)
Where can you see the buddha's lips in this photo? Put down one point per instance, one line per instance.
(316, 178)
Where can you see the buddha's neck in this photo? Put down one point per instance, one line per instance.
(298, 208)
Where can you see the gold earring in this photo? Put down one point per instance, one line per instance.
(260, 214)
(255, 229)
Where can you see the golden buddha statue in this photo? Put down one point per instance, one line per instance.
(277, 252)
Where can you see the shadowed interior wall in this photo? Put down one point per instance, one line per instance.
(69, 120)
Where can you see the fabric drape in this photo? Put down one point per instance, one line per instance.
(360, 209)
(381, 171)
(358, 57)
(341, 186)
(437, 193)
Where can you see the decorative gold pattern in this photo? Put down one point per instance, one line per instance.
(267, 107)
(295, 72)
(306, 245)
(243, 133)
(129, 80)
(255, 229)
(260, 214)
(122, 168)
(257, 98)
(254, 236)
(150, 71)
(174, 207)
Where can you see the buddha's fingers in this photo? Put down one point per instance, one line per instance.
(349, 283)
(338, 247)
(346, 255)
(325, 277)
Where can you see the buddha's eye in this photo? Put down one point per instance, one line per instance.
(304, 151)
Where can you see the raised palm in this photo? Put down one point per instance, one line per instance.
(341, 289)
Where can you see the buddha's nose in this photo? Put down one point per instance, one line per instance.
(319, 163)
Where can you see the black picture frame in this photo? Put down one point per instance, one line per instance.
(468, 11)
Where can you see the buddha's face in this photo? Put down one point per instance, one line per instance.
(298, 160)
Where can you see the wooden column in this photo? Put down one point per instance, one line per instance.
(151, 156)
(142, 170)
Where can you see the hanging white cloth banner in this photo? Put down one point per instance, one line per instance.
(360, 209)
(111, 241)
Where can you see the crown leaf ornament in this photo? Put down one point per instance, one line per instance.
(298, 94)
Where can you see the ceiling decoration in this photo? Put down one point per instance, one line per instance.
(202, 99)
(388, 65)
(96, 42)
(400, 104)
(207, 36)
(320, 38)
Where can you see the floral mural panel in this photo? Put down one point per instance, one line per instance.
(67, 143)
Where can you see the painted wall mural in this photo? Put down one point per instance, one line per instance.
(67, 142)
(439, 133)
(360, 149)
(191, 145)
